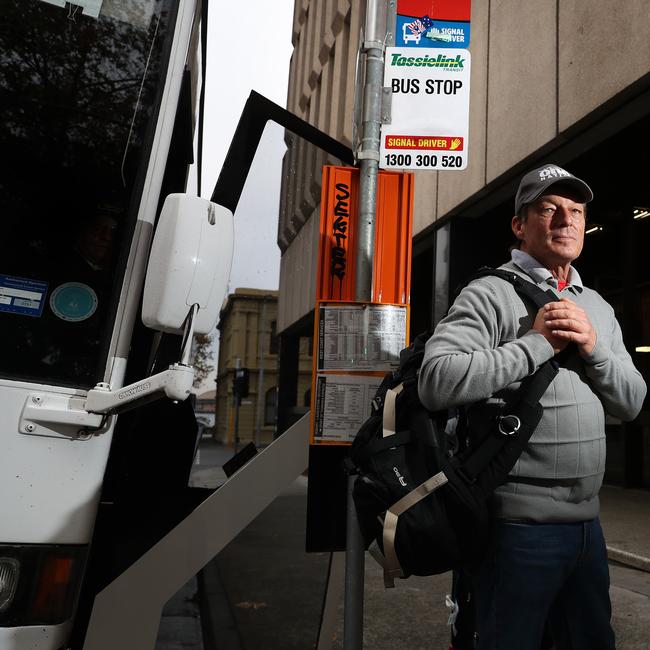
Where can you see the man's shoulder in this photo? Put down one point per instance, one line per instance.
(489, 288)
(492, 279)
(594, 298)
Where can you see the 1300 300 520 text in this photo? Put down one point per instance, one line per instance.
(422, 160)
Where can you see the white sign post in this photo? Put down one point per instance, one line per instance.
(430, 109)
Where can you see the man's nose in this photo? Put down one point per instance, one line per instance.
(563, 216)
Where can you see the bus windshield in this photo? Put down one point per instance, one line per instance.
(80, 84)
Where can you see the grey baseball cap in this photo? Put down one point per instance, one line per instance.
(536, 182)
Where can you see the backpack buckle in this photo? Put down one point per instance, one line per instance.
(508, 425)
(376, 404)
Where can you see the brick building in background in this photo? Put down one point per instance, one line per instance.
(248, 332)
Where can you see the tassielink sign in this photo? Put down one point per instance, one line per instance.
(430, 109)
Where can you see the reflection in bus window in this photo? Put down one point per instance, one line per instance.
(79, 87)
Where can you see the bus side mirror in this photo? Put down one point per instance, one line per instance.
(189, 264)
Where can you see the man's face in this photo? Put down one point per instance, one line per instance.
(553, 230)
(96, 239)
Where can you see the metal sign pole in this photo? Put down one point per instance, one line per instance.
(237, 404)
(368, 157)
(261, 342)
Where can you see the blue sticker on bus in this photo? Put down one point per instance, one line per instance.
(22, 296)
(73, 301)
(428, 32)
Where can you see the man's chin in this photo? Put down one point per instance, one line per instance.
(566, 246)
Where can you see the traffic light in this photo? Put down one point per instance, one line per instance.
(240, 383)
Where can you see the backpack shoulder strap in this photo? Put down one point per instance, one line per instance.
(531, 291)
(530, 391)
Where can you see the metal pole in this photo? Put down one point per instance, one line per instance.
(261, 341)
(237, 404)
(368, 155)
(354, 578)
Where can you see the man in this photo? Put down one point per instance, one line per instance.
(95, 240)
(547, 556)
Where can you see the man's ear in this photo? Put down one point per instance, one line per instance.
(517, 226)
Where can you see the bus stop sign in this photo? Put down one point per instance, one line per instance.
(429, 125)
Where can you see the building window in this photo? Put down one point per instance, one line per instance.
(273, 346)
(271, 406)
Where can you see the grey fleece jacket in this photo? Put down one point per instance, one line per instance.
(480, 352)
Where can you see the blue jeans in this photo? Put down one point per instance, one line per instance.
(535, 572)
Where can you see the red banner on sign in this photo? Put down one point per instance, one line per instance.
(425, 142)
(439, 9)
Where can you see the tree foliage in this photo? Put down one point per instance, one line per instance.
(203, 354)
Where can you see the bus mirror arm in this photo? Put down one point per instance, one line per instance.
(43, 414)
(174, 383)
(71, 417)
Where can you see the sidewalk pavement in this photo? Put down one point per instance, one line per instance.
(625, 517)
(264, 592)
(180, 623)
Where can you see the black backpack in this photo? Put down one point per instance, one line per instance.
(423, 484)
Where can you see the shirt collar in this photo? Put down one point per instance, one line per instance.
(541, 274)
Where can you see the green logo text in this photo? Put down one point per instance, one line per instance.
(440, 61)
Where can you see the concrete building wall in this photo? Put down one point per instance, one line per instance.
(521, 109)
(321, 91)
(604, 49)
(541, 72)
(298, 273)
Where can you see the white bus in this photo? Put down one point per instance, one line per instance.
(99, 102)
(99, 107)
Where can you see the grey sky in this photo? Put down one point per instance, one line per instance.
(249, 48)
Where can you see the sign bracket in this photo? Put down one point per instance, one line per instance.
(386, 105)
